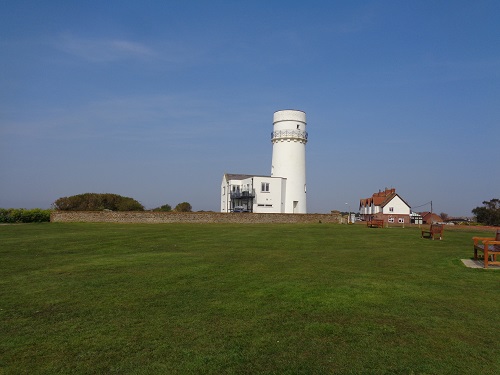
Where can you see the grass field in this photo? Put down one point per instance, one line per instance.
(243, 299)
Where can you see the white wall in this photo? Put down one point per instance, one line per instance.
(224, 196)
(271, 201)
(289, 157)
(399, 207)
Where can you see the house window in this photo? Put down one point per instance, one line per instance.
(391, 220)
(391, 209)
(223, 190)
(265, 187)
(401, 220)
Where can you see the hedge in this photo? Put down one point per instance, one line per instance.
(21, 215)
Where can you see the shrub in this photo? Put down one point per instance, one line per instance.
(164, 208)
(21, 215)
(183, 207)
(97, 202)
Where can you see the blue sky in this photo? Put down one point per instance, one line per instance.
(156, 100)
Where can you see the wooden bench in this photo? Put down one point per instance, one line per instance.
(489, 246)
(436, 230)
(375, 223)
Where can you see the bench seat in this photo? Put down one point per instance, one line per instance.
(436, 230)
(490, 247)
(375, 223)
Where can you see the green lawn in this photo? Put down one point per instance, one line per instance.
(243, 299)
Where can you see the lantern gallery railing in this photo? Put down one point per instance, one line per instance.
(289, 134)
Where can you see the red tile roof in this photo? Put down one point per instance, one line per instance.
(378, 198)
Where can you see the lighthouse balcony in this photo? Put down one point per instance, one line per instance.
(289, 134)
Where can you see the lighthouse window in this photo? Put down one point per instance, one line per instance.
(265, 187)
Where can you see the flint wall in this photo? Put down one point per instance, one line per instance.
(185, 217)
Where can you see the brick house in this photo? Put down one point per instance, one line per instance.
(385, 205)
(430, 217)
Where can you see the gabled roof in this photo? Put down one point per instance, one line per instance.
(427, 214)
(391, 197)
(381, 198)
(384, 200)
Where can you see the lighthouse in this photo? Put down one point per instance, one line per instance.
(284, 191)
(289, 138)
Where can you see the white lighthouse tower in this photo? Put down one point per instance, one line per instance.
(289, 138)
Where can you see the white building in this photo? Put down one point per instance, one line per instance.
(284, 191)
(385, 205)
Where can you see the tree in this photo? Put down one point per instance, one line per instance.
(97, 202)
(183, 207)
(164, 208)
(489, 214)
(444, 216)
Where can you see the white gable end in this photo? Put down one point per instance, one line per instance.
(396, 206)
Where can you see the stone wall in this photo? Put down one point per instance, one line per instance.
(185, 217)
